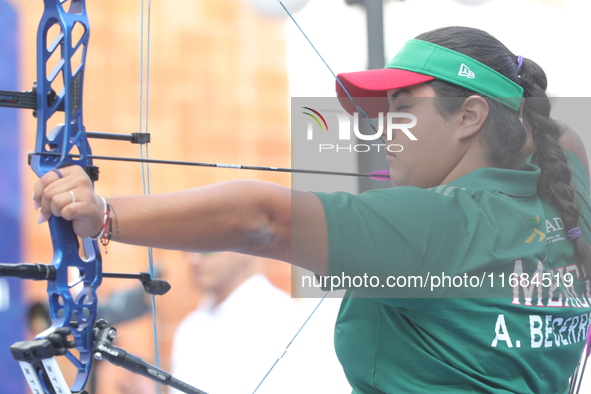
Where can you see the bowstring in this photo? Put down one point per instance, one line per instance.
(363, 114)
(366, 118)
(290, 342)
(145, 30)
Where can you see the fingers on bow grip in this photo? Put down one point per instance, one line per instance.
(59, 189)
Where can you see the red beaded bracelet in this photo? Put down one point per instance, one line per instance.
(105, 222)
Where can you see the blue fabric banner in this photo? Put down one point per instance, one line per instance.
(11, 303)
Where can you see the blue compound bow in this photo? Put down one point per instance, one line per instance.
(75, 273)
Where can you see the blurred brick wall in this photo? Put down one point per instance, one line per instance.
(218, 92)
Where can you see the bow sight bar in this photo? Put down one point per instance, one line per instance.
(28, 100)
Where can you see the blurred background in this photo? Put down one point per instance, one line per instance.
(221, 76)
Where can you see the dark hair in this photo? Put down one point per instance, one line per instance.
(504, 132)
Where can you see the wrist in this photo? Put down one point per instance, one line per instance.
(105, 221)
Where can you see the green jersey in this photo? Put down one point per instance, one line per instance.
(467, 287)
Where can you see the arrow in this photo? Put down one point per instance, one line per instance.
(380, 175)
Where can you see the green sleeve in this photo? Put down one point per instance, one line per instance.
(399, 232)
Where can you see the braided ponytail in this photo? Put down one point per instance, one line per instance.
(554, 184)
(505, 134)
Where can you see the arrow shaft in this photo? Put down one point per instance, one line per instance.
(218, 165)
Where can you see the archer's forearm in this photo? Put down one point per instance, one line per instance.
(242, 216)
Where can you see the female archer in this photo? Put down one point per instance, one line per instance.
(490, 169)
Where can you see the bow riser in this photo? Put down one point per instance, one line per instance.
(74, 304)
(73, 300)
(67, 54)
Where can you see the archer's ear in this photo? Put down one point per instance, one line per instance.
(473, 113)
